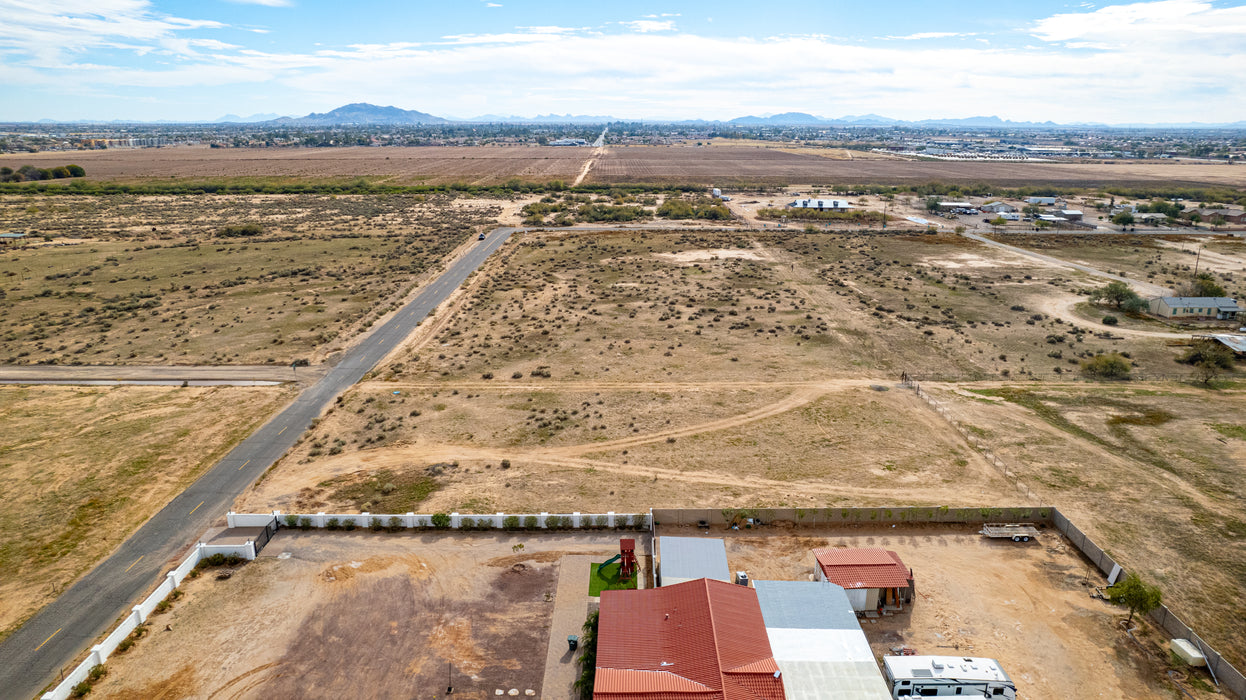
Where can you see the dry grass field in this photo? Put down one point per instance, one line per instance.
(630, 369)
(432, 165)
(727, 165)
(135, 280)
(81, 467)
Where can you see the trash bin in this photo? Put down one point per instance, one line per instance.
(573, 642)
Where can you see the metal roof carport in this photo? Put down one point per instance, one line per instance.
(818, 643)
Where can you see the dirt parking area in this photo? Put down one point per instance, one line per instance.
(365, 615)
(1027, 605)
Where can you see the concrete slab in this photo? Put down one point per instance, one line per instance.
(570, 609)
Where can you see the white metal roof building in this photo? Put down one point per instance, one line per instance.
(833, 204)
(817, 642)
(688, 558)
(924, 676)
(1222, 308)
(997, 207)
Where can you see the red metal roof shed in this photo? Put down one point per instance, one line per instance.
(863, 568)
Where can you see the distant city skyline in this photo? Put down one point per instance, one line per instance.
(1142, 62)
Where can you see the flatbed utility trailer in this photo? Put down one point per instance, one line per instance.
(1017, 532)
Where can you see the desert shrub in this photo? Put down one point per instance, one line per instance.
(601, 521)
(333, 524)
(506, 464)
(241, 231)
(395, 524)
(305, 523)
(376, 525)
(220, 560)
(1110, 320)
(1212, 351)
(348, 524)
(292, 521)
(80, 690)
(1107, 366)
(440, 521)
(511, 522)
(467, 523)
(531, 522)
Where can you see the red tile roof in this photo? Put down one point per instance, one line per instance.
(863, 568)
(698, 640)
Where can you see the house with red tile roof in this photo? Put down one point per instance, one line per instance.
(698, 640)
(874, 578)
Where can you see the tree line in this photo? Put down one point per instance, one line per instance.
(30, 173)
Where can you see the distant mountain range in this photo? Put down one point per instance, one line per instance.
(362, 113)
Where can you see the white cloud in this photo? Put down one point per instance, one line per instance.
(649, 25)
(1150, 26)
(492, 4)
(929, 35)
(47, 31)
(640, 70)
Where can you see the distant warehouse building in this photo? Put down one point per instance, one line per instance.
(997, 207)
(1219, 308)
(1041, 201)
(1230, 216)
(821, 204)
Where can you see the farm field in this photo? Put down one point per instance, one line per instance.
(613, 370)
(141, 280)
(82, 467)
(431, 165)
(730, 165)
(718, 164)
(363, 614)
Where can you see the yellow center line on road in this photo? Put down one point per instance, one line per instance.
(282, 430)
(136, 561)
(192, 510)
(244, 464)
(49, 639)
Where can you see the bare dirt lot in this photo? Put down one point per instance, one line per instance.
(363, 615)
(81, 467)
(729, 165)
(1027, 605)
(161, 279)
(433, 165)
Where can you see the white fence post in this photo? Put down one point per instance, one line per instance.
(541, 519)
(455, 521)
(498, 520)
(318, 519)
(575, 520)
(610, 519)
(229, 519)
(138, 610)
(409, 520)
(365, 520)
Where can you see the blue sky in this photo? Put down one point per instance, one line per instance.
(1163, 61)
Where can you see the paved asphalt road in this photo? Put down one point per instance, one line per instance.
(35, 654)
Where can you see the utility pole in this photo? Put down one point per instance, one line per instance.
(1198, 256)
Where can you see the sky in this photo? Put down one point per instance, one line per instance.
(1035, 60)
